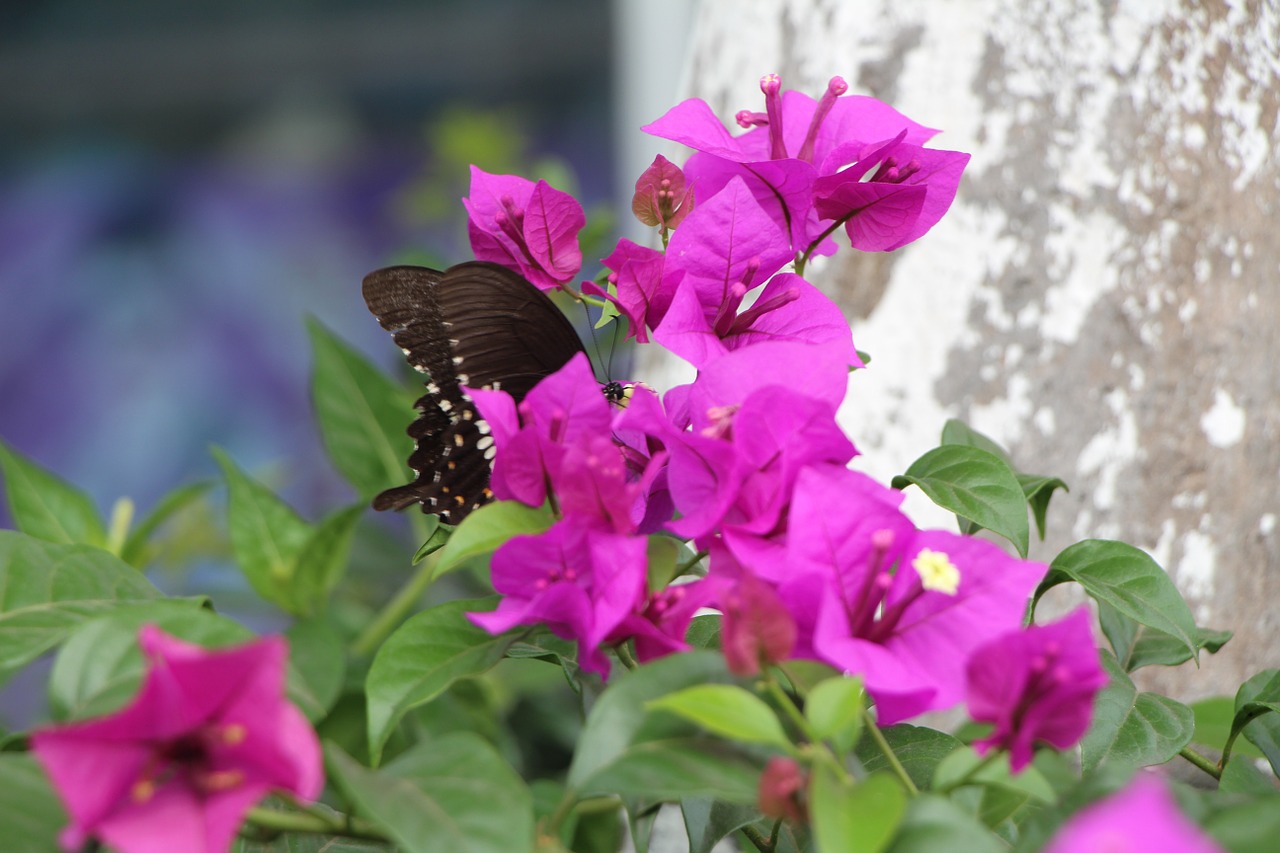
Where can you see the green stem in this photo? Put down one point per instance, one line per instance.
(347, 825)
(973, 771)
(894, 764)
(789, 708)
(804, 256)
(690, 563)
(625, 655)
(1203, 763)
(394, 612)
(1235, 732)
(756, 837)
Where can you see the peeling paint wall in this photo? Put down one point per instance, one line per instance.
(1104, 297)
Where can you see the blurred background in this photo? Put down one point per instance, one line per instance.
(183, 184)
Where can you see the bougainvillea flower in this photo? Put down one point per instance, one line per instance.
(659, 628)
(579, 581)
(1035, 685)
(591, 483)
(208, 735)
(788, 309)
(1141, 817)
(756, 628)
(788, 148)
(902, 608)
(643, 293)
(528, 227)
(529, 439)
(723, 385)
(662, 197)
(907, 193)
(727, 243)
(781, 792)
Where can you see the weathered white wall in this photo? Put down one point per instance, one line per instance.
(1104, 297)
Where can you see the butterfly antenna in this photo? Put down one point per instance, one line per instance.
(613, 347)
(595, 344)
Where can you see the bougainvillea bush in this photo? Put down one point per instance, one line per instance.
(686, 608)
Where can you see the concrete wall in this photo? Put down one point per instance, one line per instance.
(1104, 297)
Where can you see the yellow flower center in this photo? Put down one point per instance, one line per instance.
(936, 571)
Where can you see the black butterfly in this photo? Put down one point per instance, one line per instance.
(475, 324)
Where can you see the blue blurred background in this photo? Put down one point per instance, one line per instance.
(181, 184)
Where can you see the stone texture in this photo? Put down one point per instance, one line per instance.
(1104, 297)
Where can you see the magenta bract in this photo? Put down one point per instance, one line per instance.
(208, 735)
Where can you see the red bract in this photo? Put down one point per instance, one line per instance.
(527, 227)
(208, 735)
(661, 197)
(1036, 685)
(782, 785)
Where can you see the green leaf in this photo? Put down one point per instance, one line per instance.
(1137, 646)
(363, 415)
(1213, 725)
(48, 589)
(438, 534)
(726, 710)
(1249, 826)
(670, 768)
(100, 666)
(134, 551)
(266, 535)
(45, 506)
(706, 821)
(31, 815)
(859, 818)
(834, 710)
(1257, 702)
(1241, 776)
(322, 561)
(424, 656)
(974, 484)
(960, 765)
(1132, 729)
(1039, 491)
(956, 431)
(662, 553)
(319, 660)
(452, 793)
(484, 530)
(933, 823)
(919, 749)
(624, 748)
(1124, 577)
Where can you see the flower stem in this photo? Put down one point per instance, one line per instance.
(756, 837)
(625, 655)
(894, 764)
(338, 824)
(972, 773)
(395, 610)
(1203, 763)
(1235, 732)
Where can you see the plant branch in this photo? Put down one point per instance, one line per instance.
(894, 764)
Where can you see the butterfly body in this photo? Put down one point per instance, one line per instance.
(477, 325)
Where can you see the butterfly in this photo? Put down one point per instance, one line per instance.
(476, 324)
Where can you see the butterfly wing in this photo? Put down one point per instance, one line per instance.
(476, 324)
